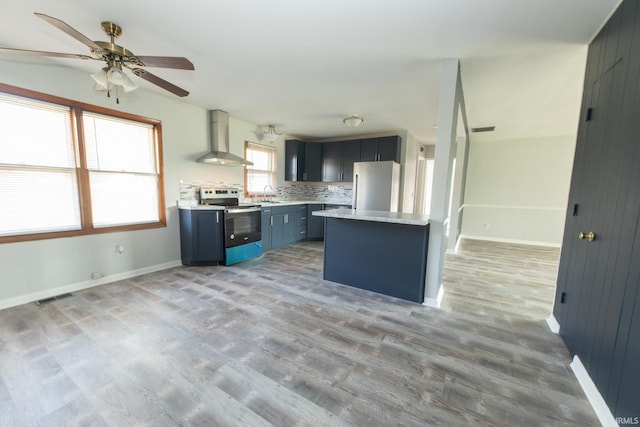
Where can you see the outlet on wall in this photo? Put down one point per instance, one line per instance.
(485, 225)
(119, 249)
(96, 275)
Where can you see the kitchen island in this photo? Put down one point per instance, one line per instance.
(383, 252)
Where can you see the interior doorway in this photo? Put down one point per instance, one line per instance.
(424, 180)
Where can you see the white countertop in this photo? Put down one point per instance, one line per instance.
(197, 207)
(376, 216)
(193, 204)
(289, 203)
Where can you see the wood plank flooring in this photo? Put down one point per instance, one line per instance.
(501, 281)
(268, 342)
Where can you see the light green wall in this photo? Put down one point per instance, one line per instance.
(517, 190)
(33, 270)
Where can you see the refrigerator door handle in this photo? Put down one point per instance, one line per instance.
(355, 191)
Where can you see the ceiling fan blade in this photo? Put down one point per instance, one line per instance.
(69, 30)
(177, 62)
(159, 82)
(43, 53)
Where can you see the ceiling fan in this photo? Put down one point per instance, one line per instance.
(116, 58)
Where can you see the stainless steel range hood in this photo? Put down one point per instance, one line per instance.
(219, 137)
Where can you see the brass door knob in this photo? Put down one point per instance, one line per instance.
(590, 236)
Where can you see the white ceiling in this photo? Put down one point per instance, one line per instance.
(304, 65)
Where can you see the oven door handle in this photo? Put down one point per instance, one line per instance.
(241, 210)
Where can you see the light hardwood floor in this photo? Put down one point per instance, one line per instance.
(268, 342)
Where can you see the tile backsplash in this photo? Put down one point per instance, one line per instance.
(311, 191)
(189, 190)
(316, 191)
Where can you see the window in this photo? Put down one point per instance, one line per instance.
(68, 168)
(122, 170)
(260, 178)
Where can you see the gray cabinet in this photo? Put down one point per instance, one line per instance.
(288, 227)
(333, 161)
(284, 225)
(201, 237)
(303, 161)
(266, 228)
(381, 149)
(338, 158)
(300, 219)
(279, 226)
(315, 224)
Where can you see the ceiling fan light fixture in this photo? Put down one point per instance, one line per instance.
(101, 78)
(113, 75)
(116, 76)
(353, 121)
(127, 84)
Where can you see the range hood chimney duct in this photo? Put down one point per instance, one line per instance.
(219, 138)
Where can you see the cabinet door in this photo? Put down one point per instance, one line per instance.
(294, 157)
(369, 150)
(312, 162)
(266, 229)
(389, 148)
(332, 161)
(277, 230)
(289, 228)
(187, 235)
(208, 242)
(315, 224)
(350, 154)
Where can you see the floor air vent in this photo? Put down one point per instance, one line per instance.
(57, 297)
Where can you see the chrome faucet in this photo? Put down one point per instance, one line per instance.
(264, 193)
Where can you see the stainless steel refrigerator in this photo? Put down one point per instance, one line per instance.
(376, 186)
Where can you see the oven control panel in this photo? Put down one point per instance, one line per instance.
(207, 193)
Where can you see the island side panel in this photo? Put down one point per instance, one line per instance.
(381, 257)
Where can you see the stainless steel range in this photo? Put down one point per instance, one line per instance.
(242, 224)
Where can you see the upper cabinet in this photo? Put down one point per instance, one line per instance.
(338, 158)
(381, 149)
(333, 161)
(303, 161)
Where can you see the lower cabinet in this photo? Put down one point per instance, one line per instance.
(201, 237)
(284, 225)
(300, 220)
(266, 228)
(315, 224)
(278, 226)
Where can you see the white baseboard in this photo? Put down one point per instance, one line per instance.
(553, 324)
(593, 395)
(74, 287)
(435, 302)
(514, 241)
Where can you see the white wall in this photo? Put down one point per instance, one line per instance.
(33, 270)
(517, 190)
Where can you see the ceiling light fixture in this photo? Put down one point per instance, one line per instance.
(271, 134)
(112, 75)
(353, 121)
